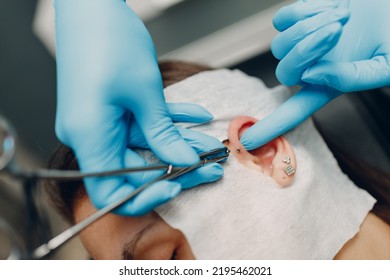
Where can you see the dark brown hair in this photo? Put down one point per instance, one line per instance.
(64, 195)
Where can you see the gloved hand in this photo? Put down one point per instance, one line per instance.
(108, 79)
(352, 58)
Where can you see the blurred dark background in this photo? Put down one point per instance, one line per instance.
(27, 77)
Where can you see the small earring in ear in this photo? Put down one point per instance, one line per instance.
(287, 160)
(289, 170)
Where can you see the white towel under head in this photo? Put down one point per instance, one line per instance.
(246, 215)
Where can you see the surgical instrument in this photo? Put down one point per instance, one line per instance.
(7, 150)
(171, 173)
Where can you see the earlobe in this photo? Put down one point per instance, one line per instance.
(275, 159)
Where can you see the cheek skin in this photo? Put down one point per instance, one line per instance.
(163, 242)
(104, 239)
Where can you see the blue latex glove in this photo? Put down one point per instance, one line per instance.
(352, 58)
(108, 79)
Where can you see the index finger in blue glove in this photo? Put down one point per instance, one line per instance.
(306, 53)
(178, 112)
(291, 14)
(285, 41)
(351, 76)
(289, 115)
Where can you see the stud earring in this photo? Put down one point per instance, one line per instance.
(289, 170)
(287, 160)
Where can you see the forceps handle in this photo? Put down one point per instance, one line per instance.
(63, 237)
(69, 175)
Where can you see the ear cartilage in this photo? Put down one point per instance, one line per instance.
(289, 170)
(287, 160)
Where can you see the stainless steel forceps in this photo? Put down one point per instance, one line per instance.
(172, 172)
(29, 177)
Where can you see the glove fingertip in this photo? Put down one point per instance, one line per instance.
(175, 189)
(214, 172)
(284, 76)
(211, 172)
(180, 154)
(205, 114)
(247, 143)
(207, 174)
(188, 112)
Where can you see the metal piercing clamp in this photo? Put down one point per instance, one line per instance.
(216, 155)
(7, 152)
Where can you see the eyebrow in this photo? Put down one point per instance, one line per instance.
(128, 249)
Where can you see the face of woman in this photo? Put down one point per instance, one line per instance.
(143, 238)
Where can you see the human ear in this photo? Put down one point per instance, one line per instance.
(275, 159)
